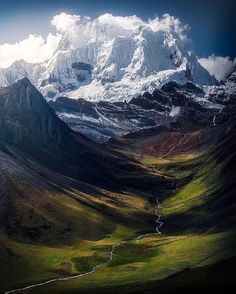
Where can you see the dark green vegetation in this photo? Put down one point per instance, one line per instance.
(57, 222)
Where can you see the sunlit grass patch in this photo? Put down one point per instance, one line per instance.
(151, 258)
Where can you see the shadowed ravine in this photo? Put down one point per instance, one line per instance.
(95, 268)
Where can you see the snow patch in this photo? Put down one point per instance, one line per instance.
(174, 111)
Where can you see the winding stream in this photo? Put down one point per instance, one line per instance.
(176, 145)
(111, 256)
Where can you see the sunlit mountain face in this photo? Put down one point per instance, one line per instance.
(117, 147)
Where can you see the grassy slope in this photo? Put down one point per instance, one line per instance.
(207, 200)
(198, 227)
(150, 259)
(60, 233)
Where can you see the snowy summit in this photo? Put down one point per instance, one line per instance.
(112, 58)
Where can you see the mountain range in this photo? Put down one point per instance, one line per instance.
(103, 119)
(108, 79)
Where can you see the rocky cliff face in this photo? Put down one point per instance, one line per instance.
(27, 121)
(102, 120)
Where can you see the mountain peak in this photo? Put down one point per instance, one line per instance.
(127, 58)
(30, 127)
(23, 82)
(27, 121)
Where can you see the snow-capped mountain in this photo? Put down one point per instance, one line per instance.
(21, 69)
(112, 60)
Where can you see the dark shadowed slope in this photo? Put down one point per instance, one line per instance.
(40, 155)
(28, 124)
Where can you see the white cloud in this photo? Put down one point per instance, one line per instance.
(170, 23)
(127, 22)
(64, 22)
(34, 49)
(218, 66)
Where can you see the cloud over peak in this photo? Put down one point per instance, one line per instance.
(218, 66)
(34, 49)
(63, 21)
(170, 23)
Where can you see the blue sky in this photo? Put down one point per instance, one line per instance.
(212, 22)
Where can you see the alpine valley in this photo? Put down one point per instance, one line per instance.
(117, 165)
